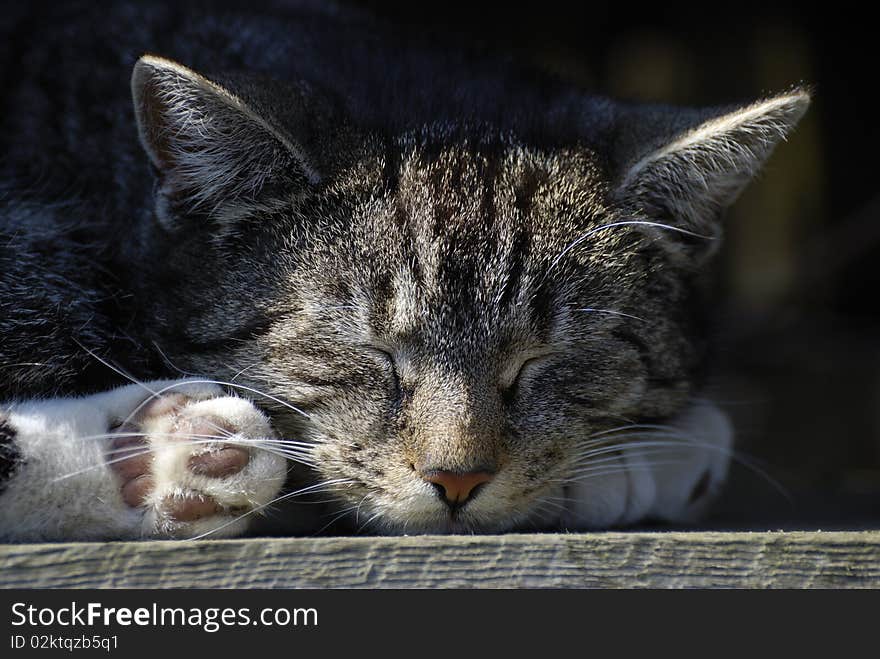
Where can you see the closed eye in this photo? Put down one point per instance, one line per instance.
(513, 376)
(388, 360)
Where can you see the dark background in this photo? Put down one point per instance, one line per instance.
(799, 369)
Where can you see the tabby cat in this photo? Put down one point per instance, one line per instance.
(303, 258)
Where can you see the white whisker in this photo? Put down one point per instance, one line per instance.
(612, 313)
(610, 225)
(115, 369)
(311, 488)
(130, 452)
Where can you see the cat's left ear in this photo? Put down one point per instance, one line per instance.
(697, 162)
(210, 146)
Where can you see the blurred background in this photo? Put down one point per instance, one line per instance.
(799, 367)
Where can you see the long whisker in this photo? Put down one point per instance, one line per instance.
(614, 448)
(357, 512)
(373, 517)
(226, 437)
(301, 456)
(624, 223)
(335, 519)
(684, 439)
(115, 369)
(242, 371)
(612, 313)
(553, 503)
(155, 394)
(311, 488)
(608, 471)
(171, 364)
(631, 426)
(232, 385)
(582, 463)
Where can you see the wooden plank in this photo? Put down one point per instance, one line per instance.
(598, 560)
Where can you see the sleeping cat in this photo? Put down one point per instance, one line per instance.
(303, 258)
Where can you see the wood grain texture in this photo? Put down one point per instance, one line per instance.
(598, 560)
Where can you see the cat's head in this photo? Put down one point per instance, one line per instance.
(466, 319)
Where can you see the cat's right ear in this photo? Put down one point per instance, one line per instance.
(211, 147)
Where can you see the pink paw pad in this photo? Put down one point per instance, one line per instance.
(132, 458)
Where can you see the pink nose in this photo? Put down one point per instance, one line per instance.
(456, 488)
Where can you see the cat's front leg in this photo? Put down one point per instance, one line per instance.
(126, 464)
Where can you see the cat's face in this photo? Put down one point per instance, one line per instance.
(455, 314)
(446, 329)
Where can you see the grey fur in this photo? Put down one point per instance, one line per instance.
(443, 261)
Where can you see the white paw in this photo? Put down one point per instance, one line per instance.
(670, 473)
(190, 460)
(687, 486)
